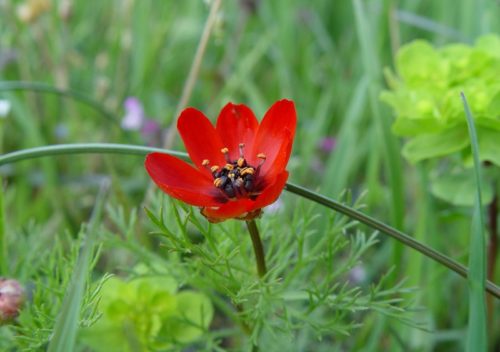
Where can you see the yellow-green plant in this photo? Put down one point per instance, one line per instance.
(147, 313)
(425, 95)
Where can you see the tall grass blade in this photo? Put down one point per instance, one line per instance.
(476, 331)
(390, 144)
(66, 326)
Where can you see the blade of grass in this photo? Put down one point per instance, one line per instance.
(477, 339)
(103, 148)
(344, 161)
(390, 144)
(473, 18)
(66, 325)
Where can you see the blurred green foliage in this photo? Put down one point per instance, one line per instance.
(147, 313)
(425, 94)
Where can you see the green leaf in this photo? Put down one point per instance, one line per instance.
(147, 311)
(194, 314)
(424, 96)
(489, 44)
(459, 188)
(433, 145)
(419, 64)
(489, 145)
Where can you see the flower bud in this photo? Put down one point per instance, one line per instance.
(11, 299)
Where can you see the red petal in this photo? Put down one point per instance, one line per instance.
(182, 181)
(231, 209)
(234, 209)
(272, 192)
(200, 138)
(237, 124)
(275, 136)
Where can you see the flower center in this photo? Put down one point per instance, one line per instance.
(236, 179)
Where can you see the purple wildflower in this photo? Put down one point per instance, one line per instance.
(134, 114)
(327, 144)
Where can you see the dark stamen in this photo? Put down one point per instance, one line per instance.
(236, 179)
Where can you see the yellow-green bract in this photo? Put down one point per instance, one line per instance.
(425, 95)
(147, 313)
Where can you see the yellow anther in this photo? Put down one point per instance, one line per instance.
(229, 167)
(214, 168)
(205, 162)
(225, 151)
(218, 182)
(240, 162)
(261, 156)
(231, 176)
(247, 171)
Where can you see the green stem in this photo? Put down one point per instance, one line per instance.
(104, 148)
(257, 247)
(82, 148)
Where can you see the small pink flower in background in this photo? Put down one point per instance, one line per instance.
(11, 299)
(135, 120)
(327, 144)
(134, 114)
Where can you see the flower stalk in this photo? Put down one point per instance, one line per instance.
(258, 248)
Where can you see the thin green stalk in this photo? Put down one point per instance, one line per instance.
(45, 88)
(127, 149)
(82, 148)
(257, 247)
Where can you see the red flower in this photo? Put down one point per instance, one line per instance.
(239, 163)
